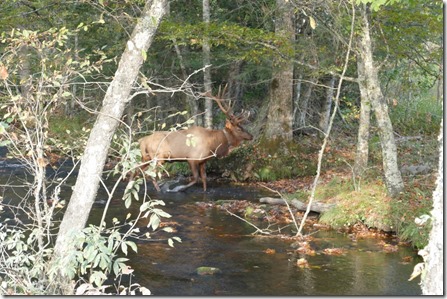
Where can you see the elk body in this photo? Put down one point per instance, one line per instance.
(196, 145)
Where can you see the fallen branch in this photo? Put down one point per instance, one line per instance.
(257, 228)
(317, 207)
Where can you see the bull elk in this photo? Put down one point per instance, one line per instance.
(196, 145)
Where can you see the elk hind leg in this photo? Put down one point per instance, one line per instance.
(195, 177)
(203, 175)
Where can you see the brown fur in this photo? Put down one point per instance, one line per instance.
(195, 145)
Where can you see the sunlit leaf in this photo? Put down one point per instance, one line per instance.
(312, 22)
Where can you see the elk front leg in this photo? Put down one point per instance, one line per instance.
(146, 159)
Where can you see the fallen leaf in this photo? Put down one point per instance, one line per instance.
(270, 251)
(3, 72)
(302, 263)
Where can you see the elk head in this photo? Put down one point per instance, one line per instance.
(233, 122)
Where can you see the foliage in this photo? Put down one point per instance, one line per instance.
(248, 44)
(68, 135)
(31, 107)
(422, 116)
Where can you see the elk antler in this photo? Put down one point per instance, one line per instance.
(244, 115)
(219, 99)
(220, 102)
(235, 120)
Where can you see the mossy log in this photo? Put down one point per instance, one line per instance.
(317, 207)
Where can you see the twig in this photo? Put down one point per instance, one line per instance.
(286, 202)
(248, 222)
(331, 121)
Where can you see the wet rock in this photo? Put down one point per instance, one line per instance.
(208, 270)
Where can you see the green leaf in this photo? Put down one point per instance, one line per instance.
(154, 221)
(135, 195)
(161, 213)
(118, 264)
(127, 202)
(96, 261)
(132, 245)
(105, 261)
(124, 248)
(97, 278)
(145, 206)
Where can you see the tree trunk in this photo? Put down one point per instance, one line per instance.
(207, 71)
(280, 111)
(303, 105)
(325, 112)
(433, 281)
(393, 178)
(95, 153)
(234, 89)
(361, 155)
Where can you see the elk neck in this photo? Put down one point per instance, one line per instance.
(232, 142)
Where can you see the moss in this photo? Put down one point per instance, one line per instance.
(370, 206)
(374, 208)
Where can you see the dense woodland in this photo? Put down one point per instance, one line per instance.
(352, 87)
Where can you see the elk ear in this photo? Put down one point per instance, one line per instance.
(228, 124)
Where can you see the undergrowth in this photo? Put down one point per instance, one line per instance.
(422, 115)
(258, 162)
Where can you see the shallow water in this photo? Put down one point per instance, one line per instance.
(216, 239)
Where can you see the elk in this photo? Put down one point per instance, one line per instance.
(196, 145)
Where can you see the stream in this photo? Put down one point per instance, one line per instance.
(249, 265)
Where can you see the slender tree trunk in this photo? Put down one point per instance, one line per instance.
(130, 110)
(70, 106)
(234, 83)
(393, 178)
(303, 105)
(361, 155)
(95, 153)
(193, 107)
(325, 112)
(433, 281)
(297, 98)
(25, 72)
(280, 111)
(207, 71)
(190, 101)
(439, 84)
